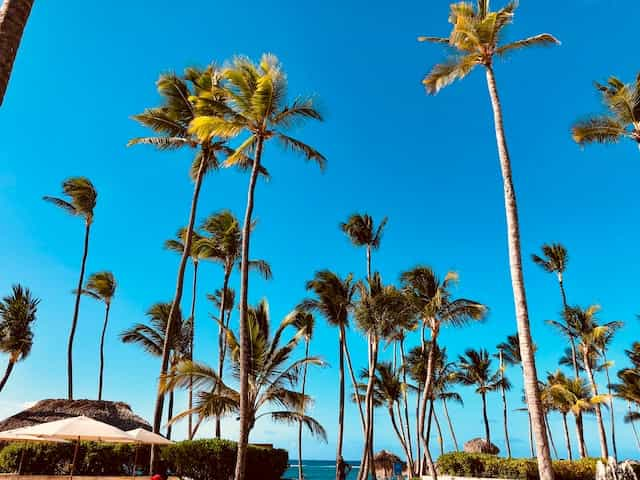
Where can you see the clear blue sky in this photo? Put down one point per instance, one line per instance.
(428, 163)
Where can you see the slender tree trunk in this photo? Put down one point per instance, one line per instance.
(191, 344)
(76, 310)
(170, 415)
(550, 433)
(7, 373)
(604, 449)
(428, 464)
(13, 18)
(405, 396)
(426, 395)
(504, 407)
(567, 439)
(531, 443)
(582, 449)
(367, 456)
(221, 338)
(244, 334)
(611, 413)
(104, 331)
(633, 425)
(175, 305)
(354, 381)
(453, 433)
(439, 430)
(403, 443)
(304, 384)
(419, 461)
(534, 404)
(340, 404)
(406, 436)
(429, 423)
(487, 432)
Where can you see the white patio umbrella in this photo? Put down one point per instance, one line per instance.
(12, 436)
(145, 437)
(76, 429)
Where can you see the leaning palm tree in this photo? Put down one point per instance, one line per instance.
(151, 337)
(362, 232)
(101, 286)
(503, 392)
(334, 300)
(273, 376)
(628, 389)
(170, 124)
(432, 301)
(476, 41)
(257, 99)
(17, 314)
(13, 18)
(474, 369)
(622, 119)
(81, 201)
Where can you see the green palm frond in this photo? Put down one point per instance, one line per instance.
(101, 286)
(303, 149)
(542, 40)
(292, 418)
(82, 197)
(18, 311)
(601, 129)
(161, 143)
(444, 74)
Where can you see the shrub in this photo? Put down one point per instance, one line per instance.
(484, 465)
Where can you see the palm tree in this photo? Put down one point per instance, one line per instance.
(81, 201)
(170, 124)
(303, 321)
(590, 335)
(622, 119)
(475, 39)
(13, 18)
(557, 400)
(224, 245)
(151, 337)
(432, 301)
(445, 377)
(602, 347)
(474, 369)
(629, 387)
(17, 313)
(102, 287)
(258, 106)
(334, 300)
(272, 374)
(503, 393)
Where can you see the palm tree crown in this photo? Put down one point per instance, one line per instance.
(17, 313)
(82, 197)
(554, 258)
(101, 286)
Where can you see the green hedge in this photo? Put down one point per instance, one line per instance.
(484, 465)
(197, 459)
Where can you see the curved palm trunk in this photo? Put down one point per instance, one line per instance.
(582, 449)
(304, 383)
(170, 415)
(7, 373)
(221, 338)
(354, 382)
(340, 403)
(104, 331)
(567, 439)
(428, 464)
(175, 305)
(13, 18)
(76, 310)
(368, 440)
(405, 398)
(403, 443)
(439, 430)
(505, 418)
(244, 334)
(487, 431)
(453, 433)
(612, 416)
(553, 444)
(419, 461)
(404, 429)
(633, 425)
(531, 446)
(426, 395)
(191, 342)
(532, 393)
(604, 449)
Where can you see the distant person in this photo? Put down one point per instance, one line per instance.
(343, 468)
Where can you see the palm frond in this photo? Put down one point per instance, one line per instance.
(543, 40)
(302, 148)
(602, 129)
(292, 418)
(454, 68)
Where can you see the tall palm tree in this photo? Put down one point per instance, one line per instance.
(224, 245)
(602, 347)
(590, 336)
(557, 399)
(445, 377)
(629, 387)
(170, 124)
(474, 369)
(13, 18)
(101, 286)
(151, 337)
(303, 321)
(476, 40)
(273, 377)
(503, 392)
(257, 99)
(432, 301)
(17, 314)
(334, 300)
(81, 201)
(622, 119)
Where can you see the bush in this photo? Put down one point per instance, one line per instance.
(484, 465)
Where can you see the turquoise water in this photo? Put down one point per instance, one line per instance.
(318, 470)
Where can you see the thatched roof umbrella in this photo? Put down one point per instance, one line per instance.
(480, 445)
(118, 414)
(385, 461)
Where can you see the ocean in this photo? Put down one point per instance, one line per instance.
(319, 470)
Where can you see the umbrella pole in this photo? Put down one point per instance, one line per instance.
(21, 459)
(135, 461)
(75, 456)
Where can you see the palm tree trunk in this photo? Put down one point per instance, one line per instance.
(244, 334)
(407, 442)
(304, 383)
(170, 415)
(430, 464)
(367, 456)
(426, 395)
(175, 305)
(402, 441)
(553, 444)
(419, 462)
(104, 331)
(487, 432)
(582, 449)
(531, 446)
(545, 468)
(354, 381)
(405, 397)
(633, 425)
(604, 450)
(340, 404)
(567, 439)
(439, 430)
(76, 310)
(611, 413)
(221, 338)
(504, 407)
(7, 372)
(13, 18)
(453, 433)
(191, 343)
